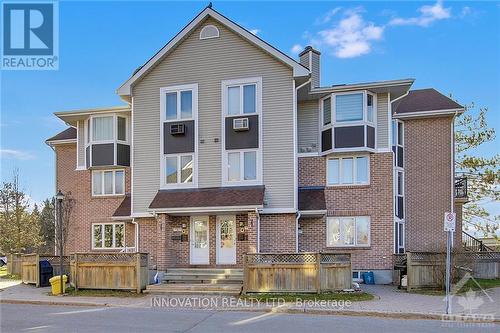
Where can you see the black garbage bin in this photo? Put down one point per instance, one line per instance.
(46, 272)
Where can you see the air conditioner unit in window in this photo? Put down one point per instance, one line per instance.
(240, 124)
(177, 129)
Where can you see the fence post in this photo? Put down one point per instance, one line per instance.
(138, 271)
(245, 274)
(318, 272)
(37, 270)
(75, 278)
(408, 271)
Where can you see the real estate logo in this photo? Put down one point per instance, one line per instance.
(30, 33)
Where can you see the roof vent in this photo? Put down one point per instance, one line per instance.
(209, 31)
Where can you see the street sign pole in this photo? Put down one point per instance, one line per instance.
(449, 228)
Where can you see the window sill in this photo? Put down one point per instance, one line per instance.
(105, 196)
(358, 247)
(348, 186)
(110, 249)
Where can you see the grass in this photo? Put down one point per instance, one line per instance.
(70, 291)
(291, 297)
(483, 283)
(5, 275)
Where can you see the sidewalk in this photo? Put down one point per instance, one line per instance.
(388, 302)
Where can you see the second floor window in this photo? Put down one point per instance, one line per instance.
(348, 170)
(102, 129)
(108, 182)
(241, 99)
(349, 107)
(179, 169)
(242, 166)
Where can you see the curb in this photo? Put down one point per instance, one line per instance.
(351, 313)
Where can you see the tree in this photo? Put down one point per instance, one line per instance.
(19, 228)
(482, 172)
(47, 226)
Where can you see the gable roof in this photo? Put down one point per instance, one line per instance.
(425, 102)
(66, 136)
(298, 69)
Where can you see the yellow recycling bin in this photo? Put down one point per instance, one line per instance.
(55, 282)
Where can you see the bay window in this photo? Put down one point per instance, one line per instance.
(108, 182)
(348, 231)
(108, 236)
(101, 129)
(349, 107)
(348, 170)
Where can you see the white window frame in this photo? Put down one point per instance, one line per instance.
(329, 218)
(225, 171)
(163, 119)
(333, 123)
(179, 184)
(355, 168)
(209, 26)
(114, 194)
(102, 247)
(258, 111)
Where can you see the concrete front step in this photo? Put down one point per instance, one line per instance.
(204, 275)
(190, 280)
(199, 289)
(226, 271)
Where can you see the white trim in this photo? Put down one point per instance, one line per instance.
(310, 154)
(141, 215)
(295, 159)
(132, 166)
(60, 142)
(298, 69)
(85, 112)
(361, 86)
(312, 212)
(78, 144)
(277, 211)
(429, 113)
(225, 84)
(209, 37)
(205, 209)
(193, 87)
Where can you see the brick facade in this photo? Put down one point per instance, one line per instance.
(374, 200)
(86, 209)
(277, 232)
(428, 183)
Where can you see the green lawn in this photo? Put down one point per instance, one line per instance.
(353, 297)
(4, 275)
(70, 291)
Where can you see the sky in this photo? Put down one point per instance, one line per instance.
(451, 46)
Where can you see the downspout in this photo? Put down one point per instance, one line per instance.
(297, 232)
(136, 242)
(258, 229)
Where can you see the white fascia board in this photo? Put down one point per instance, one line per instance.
(277, 211)
(60, 142)
(298, 69)
(139, 215)
(357, 86)
(430, 113)
(205, 209)
(83, 112)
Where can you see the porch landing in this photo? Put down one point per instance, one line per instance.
(213, 281)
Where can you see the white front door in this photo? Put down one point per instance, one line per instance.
(226, 239)
(199, 242)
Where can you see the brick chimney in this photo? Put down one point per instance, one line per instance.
(310, 58)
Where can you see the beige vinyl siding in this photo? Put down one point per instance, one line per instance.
(315, 70)
(382, 121)
(81, 143)
(307, 123)
(207, 63)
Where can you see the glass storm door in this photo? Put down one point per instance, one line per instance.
(226, 239)
(199, 240)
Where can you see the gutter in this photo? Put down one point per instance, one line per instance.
(258, 229)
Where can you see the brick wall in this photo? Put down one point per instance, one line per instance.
(374, 200)
(427, 182)
(277, 232)
(86, 209)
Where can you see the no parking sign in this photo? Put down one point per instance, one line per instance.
(449, 221)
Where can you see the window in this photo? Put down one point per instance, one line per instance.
(398, 143)
(108, 182)
(122, 128)
(327, 111)
(348, 170)
(102, 128)
(179, 105)
(108, 236)
(369, 108)
(179, 169)
(241, 99)
(209, 31)
(349, 107)
(399, 199)
(242, 166)
(348, 231)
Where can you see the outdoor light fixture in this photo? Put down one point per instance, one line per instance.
(60, 198)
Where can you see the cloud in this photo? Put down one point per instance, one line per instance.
(351, 37)
(297, 48)
(328, 16)
(15, 154)
(254, 31)
(428, 15)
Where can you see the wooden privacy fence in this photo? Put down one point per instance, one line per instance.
(125, 271)
(14, 261)
(296, 272)
(30, 266)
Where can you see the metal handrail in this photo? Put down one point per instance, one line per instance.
(471, 243)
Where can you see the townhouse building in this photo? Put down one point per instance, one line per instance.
(226, 146)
